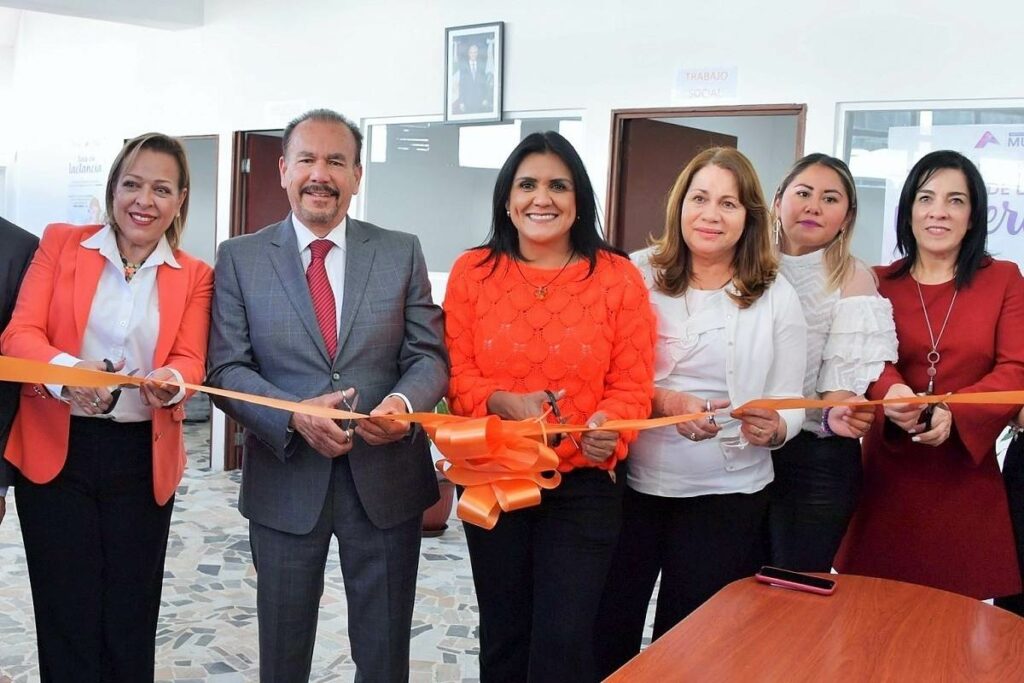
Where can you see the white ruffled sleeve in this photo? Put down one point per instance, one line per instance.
(861, 339)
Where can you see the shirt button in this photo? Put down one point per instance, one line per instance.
(336, 376)
(124, 323)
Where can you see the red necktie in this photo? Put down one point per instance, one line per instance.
(322, 294)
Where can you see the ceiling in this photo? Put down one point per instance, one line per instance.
(180, 14)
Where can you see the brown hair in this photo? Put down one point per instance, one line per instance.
(839, 262)
(754, 262)
(155, 142)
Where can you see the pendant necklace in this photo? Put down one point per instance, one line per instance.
(131, 268)
(934, 356)
(540, 292)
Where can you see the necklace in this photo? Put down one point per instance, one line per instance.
(130, 268)
(934, 356)
(540, 292)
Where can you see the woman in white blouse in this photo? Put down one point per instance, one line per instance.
(850, 335)
(729, 330)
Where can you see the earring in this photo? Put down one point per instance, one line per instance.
(777, 232)
(508, 213)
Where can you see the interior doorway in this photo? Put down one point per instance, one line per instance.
(257, 200)
(200, 240)
(650, 146)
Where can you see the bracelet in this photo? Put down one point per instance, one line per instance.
(825, 429)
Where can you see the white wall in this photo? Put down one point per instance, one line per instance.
(256, 62)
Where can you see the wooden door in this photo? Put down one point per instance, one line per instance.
(651, 156)
(257, 201)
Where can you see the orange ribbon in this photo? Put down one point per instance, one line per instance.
(503, 464)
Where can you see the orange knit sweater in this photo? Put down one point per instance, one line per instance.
(592, 336)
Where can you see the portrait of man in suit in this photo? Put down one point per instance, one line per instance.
(16, 249)
(473, 72)
(475, 83)
(329, 310)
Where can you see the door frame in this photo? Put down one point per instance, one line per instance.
(239, 187)
(621, 117)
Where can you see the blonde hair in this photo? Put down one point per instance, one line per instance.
(839, 262)
(754, 261)
(155, 142)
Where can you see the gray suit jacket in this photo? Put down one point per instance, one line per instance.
(16, 249)
(264, 339)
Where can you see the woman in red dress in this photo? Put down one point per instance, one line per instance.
(934, 509)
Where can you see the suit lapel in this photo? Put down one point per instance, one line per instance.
(172, 291)
(288, 265)
(88, 267)
(359, 252)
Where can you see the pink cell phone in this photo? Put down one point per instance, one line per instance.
(795, 580)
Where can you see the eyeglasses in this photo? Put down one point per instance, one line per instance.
(116, 393)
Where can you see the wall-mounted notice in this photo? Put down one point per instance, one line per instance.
(704, 83)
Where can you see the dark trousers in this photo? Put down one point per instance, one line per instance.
(379, 569)
(811, 501)
(1013, 476)
(539, 575)
(95, 542)
(699, 545)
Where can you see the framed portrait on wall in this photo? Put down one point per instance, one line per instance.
(473, 67)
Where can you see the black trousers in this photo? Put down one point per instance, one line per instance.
(699, 545)
(539, 575)
(817, 483)
(1013, 477)
(95, 542)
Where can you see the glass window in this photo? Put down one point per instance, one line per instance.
(881, 144)
(436, 179)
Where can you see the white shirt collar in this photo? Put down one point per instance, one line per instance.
(304, 235)
(105, 241)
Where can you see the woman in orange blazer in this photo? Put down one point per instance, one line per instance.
(98, 467)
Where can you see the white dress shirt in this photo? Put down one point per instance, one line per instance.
(334, 263)
(124, 322)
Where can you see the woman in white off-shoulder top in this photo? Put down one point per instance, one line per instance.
(850, 335)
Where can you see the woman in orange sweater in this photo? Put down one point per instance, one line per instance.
(547, 315)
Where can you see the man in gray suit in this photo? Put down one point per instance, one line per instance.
(316, 308)
(16, 249)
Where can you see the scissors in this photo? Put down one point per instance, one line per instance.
(553, 402)
(116, 393)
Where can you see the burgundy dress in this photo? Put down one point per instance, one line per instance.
(938, 516)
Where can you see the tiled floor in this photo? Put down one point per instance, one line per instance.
(207, 629)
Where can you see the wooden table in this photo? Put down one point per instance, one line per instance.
(868, 630)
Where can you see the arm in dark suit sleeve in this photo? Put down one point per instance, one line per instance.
(21, 246)
(422, 360)
(233, 366)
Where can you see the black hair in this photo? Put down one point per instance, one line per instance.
(328, 116)
(972, 254)
(585, 236)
